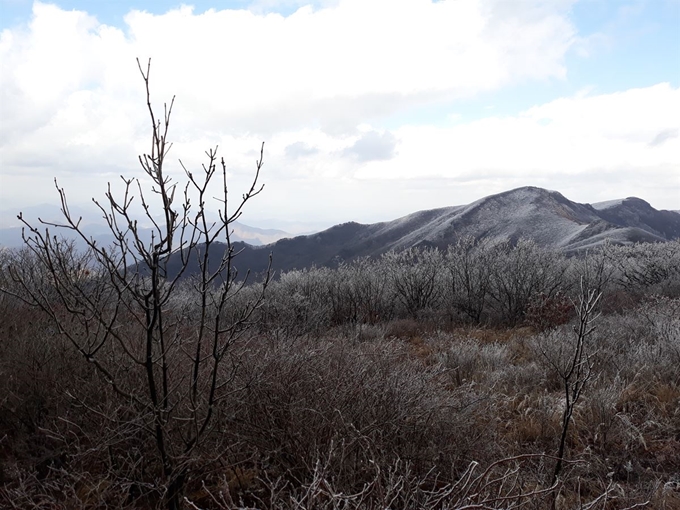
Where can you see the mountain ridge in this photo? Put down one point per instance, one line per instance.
(544, 216)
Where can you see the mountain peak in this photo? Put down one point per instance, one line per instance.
(544, 216)
(637, 202)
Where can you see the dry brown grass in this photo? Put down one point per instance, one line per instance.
(352, 404)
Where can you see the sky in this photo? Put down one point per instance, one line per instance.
(369, 109)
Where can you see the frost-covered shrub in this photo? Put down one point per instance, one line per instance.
(469, 359)
(519, 274)
(643, 339)
(519, 378)
(468, 278)
(596, 418)
(362, 292)
(648, 267)
(416, 279)
(299, 302)
(370, 400)
(592, 269)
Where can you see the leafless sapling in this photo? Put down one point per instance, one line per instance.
(120, 310)
(573, 365)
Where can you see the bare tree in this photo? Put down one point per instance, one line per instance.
(646, 265)
(519, 274)
(469, 278)
(572, 362)
(414, 275)
(115, 303)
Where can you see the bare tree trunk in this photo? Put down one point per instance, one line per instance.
(578, 371)
(182, 383)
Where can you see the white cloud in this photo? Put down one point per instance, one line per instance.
(663, 135)
(299, 150)
(315, 85)
(372, 146)
(330, 65)
(589, 147)
(570, 136)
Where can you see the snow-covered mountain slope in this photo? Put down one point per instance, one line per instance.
(546, 217)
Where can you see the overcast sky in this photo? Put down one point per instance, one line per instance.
(369, 109)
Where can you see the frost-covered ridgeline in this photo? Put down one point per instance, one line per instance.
(544, 217)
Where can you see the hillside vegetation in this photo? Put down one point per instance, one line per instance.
(421, 379)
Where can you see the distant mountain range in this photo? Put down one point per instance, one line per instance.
(93, 226)
(546, 217)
